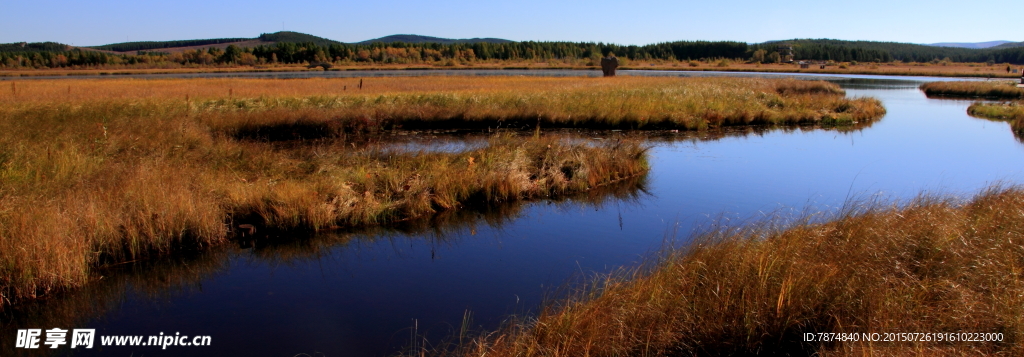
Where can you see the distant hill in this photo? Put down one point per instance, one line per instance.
(430, 39)
(33, 47)
(267, 39)
(969, 44)
(174, 46)
(866, 51)
(296, 37)
(1010, 45)
(156, 45)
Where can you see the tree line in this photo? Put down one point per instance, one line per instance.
(50, 55)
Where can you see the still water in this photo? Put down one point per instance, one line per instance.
(368, 293)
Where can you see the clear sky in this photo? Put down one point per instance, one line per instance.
(86, 23)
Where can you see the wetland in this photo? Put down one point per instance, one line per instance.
(535, 206)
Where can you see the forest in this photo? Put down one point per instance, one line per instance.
(55, 55)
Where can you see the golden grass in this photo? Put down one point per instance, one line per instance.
(974, 89)
(931, 265)
(68, 211)
(94, 172)
(384, 103)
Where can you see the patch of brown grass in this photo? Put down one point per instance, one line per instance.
(974, 89)
(437, 102)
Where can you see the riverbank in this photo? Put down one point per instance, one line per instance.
(974, 70)
(1012, 112)
(932, 265)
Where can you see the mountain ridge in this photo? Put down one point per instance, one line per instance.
(975, 45)
(430, 39)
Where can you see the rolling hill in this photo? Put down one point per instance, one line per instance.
(262, 39)
(1010, 45)
(988, 44)
(430, 39)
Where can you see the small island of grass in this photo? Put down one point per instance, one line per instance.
(974, 89)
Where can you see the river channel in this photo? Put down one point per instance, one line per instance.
(376, 292)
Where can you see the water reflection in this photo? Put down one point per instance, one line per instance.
(156, 280)
(162, 280)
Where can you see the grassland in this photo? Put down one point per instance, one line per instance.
(930, 265)
(974, 89)
(97, 172)
(449, 102)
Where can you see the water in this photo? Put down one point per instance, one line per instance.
(365, 293)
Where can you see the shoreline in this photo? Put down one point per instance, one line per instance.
(926, 71)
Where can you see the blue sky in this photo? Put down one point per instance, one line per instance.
(86, 23)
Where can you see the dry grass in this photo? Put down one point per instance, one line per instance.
(974, 89)
(932, 265)
(66, 211)
(626, 102)
(94, 172)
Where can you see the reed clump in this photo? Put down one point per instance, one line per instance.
(931, 265)
(974, 89)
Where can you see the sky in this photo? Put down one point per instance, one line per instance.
(89, 23)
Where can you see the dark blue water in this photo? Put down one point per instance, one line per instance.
(366, 293)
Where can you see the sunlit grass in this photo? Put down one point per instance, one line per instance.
(974, 89)
(94, 172)
(931, 265)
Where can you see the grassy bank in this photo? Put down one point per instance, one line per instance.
(974, 89)
(327, 105)
(186, 272)
(1012, 112)
(95, 172)
(69, 207)
(931, 265)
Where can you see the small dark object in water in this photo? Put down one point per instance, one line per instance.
(609, 64)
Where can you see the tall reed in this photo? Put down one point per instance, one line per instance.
(974, 89)
(933, 265)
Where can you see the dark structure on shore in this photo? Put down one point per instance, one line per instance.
(609, 64)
